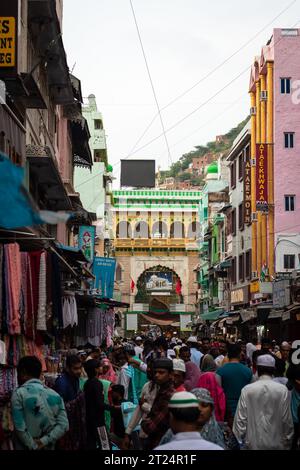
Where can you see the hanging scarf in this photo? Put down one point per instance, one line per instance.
(132, 395)
(295, 404)
(212, 432)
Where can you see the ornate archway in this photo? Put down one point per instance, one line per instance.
(158, 279)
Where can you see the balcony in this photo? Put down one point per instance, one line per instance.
(153, 243)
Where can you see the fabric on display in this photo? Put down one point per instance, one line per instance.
(41, 315)
(13, 287)
(70, 314)
(56, 292)
(1, 285)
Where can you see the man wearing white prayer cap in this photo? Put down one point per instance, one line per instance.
(139, 347)
(263, 419)
(196, 355)
(179, 371)
(184, 415)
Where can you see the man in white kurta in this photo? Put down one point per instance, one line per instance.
(263, 419)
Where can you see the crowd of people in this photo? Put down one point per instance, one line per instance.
(171, 394)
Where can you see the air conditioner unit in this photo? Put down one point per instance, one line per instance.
(254, 217)
(263, 95)
(253, 111)
(254, 275)
(253, 161)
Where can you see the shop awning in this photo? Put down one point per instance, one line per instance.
(73, 254)
(45, 174)
(88, 300)
(80, 144)
(211, 316)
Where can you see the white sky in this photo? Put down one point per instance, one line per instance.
(183, 40)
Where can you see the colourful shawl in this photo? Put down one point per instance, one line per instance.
(208, 380)
(110, 375)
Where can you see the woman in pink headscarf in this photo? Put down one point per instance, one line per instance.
(108, 372)
(208, 380)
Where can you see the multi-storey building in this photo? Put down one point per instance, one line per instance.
(157, 255)
(94, 186)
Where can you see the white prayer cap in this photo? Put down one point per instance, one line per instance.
(138, 338)
(192, 339)
(266, 360)
(178, 364)
(183, 400)
(285, 344)
(171, 353)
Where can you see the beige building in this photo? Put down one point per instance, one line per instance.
(157, 256)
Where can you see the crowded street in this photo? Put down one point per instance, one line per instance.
(149, 279)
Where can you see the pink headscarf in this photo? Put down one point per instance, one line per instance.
(208, 380)
(110, 374)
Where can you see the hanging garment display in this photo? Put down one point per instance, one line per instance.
(41, 315)
(13, 287)
(70, 314)
(56, 292)
(1, 285)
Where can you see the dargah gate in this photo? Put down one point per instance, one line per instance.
(157, 256)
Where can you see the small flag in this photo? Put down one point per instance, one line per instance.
(178, 287)
(132, 285)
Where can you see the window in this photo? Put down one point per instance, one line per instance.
(241, 268)
(289, 140)
(233, 270)
(248, 264)
(285, 86)
(289, 261)
(98, 124)
(241, 166)
(241, 216)
(289, 203)
(233, 221)
(233, 174)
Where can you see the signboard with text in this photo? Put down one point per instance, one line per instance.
(8, 38)
(262, 177)
(247, 191)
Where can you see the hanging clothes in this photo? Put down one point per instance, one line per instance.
(70, 314)
(13, 287)
(41, 314)
(35, 262)
(56, 292)
(29, 326)
(1, 285)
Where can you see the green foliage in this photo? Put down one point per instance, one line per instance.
(214, 148)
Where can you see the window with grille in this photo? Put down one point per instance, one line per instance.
(289, 261)
(289, 203)
(289, 138)
(248, 264)
(241, 216)
(285, 86)
(233, 221)
(241, 268)
(233, 270)
(241, 166)
(233, 175)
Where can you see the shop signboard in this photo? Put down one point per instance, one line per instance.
(247, 191)
(240, 296)
(104, 272)
(281, 293)
(159, 281)
(86, 241)
(262, 177)
(8, 38)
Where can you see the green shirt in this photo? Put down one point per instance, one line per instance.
(235, 376)
(38, 413)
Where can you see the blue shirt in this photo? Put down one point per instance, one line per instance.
(67, 387)
(38, 413)
(235, 376)
(196, 356)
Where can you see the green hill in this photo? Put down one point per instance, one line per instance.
(215, 148)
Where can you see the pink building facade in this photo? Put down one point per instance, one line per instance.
(286, 50)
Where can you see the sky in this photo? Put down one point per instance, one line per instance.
(184, 41)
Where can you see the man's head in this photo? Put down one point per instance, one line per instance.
(192, 342)
(138, 341)
(266, 345)
(74, 366)
(206, 405)
(185, 354)
(184, 412)
(234, 351)
(117, 393)
(223, 347)
(280, 368)
(163, 370)
(179, 371)
(129, 350)
(265, 365)
(92, 368)
(160, 347)
(285, 350)
(205, 344)
(95, 354)
(29, 367)
(82, 355)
